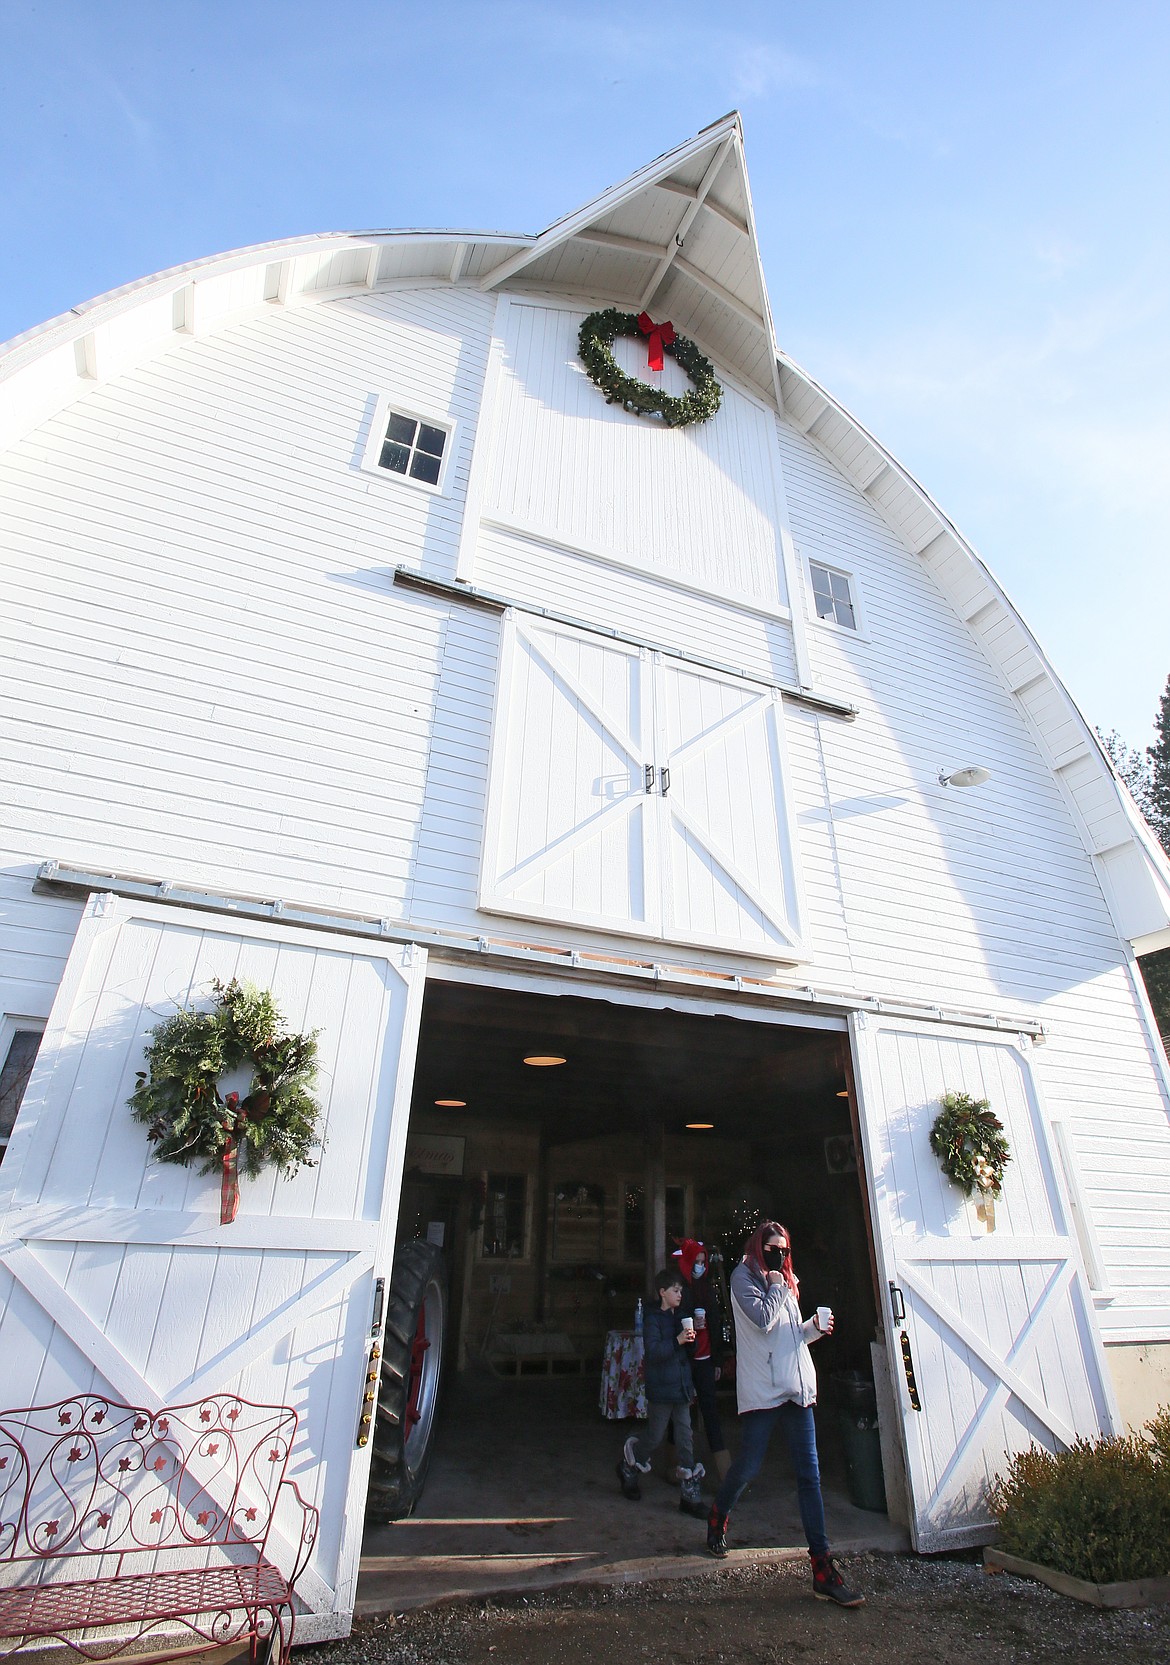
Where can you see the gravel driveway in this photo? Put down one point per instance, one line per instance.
(918, 1610)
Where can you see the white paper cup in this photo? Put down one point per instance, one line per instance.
(700, 1318)
(688, 1326)
(824, 1316)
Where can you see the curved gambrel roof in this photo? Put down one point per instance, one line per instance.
(677, 238)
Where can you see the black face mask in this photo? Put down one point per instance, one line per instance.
(774, 1259)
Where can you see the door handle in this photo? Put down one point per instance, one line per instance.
(665, 777)
(649, 774)
(897, 1304)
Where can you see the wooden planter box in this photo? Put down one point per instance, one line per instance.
(1134, 1592)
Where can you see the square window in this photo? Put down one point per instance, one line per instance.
(410, 446)
(833, 596)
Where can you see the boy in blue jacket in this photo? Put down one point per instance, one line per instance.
(669, 1391)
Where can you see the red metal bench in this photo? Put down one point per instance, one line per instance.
(118, 1523)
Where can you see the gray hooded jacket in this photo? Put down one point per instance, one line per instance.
(772, 1360)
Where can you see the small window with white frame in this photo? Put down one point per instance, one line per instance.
(409, 445)
(834, 596)
(20, 1039)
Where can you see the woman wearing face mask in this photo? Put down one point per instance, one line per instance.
(701, 1297)
(776, 1386)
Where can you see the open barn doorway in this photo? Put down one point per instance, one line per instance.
(558, 1144)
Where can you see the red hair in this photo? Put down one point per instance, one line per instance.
(753, 1251)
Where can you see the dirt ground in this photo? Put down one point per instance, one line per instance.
(919, 1611)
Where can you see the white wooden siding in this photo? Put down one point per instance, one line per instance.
(988, 889)
(206, 674)
(192, 552)
(698, 502)
(649, 608)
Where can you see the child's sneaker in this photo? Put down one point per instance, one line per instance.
(828, 1585)
(690, 1499)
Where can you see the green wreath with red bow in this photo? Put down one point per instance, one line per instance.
(187, 1119)
(595, 343)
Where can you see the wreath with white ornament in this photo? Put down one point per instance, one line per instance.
(968, 1139)
(595, 344)
(188, 1119)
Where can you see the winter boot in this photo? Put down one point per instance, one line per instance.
(690, 1501)
(628, 1470)
(828, 1585)
(717, 1532)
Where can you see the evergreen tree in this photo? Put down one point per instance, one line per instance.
(1158, 790)
(1134, 768)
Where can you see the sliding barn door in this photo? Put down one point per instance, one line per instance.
(115, 1273)
(996, 1325)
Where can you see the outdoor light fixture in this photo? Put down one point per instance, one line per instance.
(543, 1060)
(451, 1103)
(701, 1127)
(974, 774)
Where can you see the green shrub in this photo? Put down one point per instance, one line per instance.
(1099, 1511)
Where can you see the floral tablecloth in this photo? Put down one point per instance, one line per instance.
(623, 1379)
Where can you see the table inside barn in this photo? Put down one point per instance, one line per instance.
(623, 1376)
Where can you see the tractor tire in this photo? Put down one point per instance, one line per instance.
(412, 1369)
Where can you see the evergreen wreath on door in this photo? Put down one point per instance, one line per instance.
(187, 1120)
(968, 1139)
(595, 343)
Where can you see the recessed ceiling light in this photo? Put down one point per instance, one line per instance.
(844, 1093)
(451, 1103)
(543, 1060)
(701, 1127)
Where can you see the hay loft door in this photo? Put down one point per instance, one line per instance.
(995, 1325)
(570, 831)
(636, 793)
(116, 1275)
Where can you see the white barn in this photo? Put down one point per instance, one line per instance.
(554, 730)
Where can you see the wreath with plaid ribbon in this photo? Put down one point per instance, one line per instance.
(595, 344)
(187, 1119)
(968, 1139)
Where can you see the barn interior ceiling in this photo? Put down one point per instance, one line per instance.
(622, 1065)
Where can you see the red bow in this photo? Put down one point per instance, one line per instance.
(660, 336)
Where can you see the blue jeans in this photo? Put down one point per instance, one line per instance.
(800, 1431)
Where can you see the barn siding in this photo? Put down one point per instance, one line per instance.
(207, 674)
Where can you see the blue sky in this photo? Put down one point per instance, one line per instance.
(964, 210)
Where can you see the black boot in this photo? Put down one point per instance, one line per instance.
(717, 1532)
(690, 1500)
(828, 1585)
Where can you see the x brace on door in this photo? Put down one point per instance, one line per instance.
(1006, 1369)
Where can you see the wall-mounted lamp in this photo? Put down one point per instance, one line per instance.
(973, 775)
